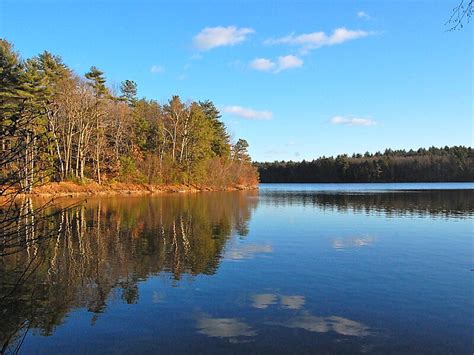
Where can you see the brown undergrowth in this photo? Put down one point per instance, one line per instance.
(68, 188)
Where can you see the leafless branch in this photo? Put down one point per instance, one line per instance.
(461, 15)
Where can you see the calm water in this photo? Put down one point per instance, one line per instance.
(301, 268)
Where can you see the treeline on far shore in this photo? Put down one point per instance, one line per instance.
(448, 164)
(58, 125)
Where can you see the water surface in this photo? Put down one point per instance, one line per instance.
(292, 268)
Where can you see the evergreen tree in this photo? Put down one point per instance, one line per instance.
(128, 89)
(240, 151)
(432, 165)
(221, 141)
(97, 81)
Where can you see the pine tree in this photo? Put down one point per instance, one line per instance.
(97, 81)
(240, 151)
(128, 89)
(221, 141)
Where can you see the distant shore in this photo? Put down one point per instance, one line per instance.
(71, 189)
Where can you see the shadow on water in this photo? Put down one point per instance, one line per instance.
(109, 245)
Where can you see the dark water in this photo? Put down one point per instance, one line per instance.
(363, 268)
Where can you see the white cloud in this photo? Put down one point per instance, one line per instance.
(314, 40)
(364, 15)
(352, 121)
(262, 64)
(341, 35)
(212, 37)
(288, 62)
(282, 63)
(248, 113)
(157, 69)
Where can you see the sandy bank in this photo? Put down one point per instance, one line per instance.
(68, 188)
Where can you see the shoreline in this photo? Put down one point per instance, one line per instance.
(71, 189)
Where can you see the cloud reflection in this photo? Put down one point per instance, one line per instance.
(343, 243)
(292, 302)
(336, 324)
(230, 328)
(241, 252)
(264, 300)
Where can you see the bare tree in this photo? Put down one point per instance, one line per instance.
(461, 15)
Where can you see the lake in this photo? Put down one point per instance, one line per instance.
(291, 268)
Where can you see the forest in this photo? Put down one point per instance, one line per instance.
(448, 164)
(60, 126)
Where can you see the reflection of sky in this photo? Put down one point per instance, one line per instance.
(237, 330)
(264, 300)
(307, 321)
(246, 251)
(157, 297)
(408, 257)
(230, 328)
(356, 242)
(340, 325)
(292, 302)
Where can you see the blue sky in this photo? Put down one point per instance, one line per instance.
(297, 79)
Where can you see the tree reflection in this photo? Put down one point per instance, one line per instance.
(107, 244)
(435, 203)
